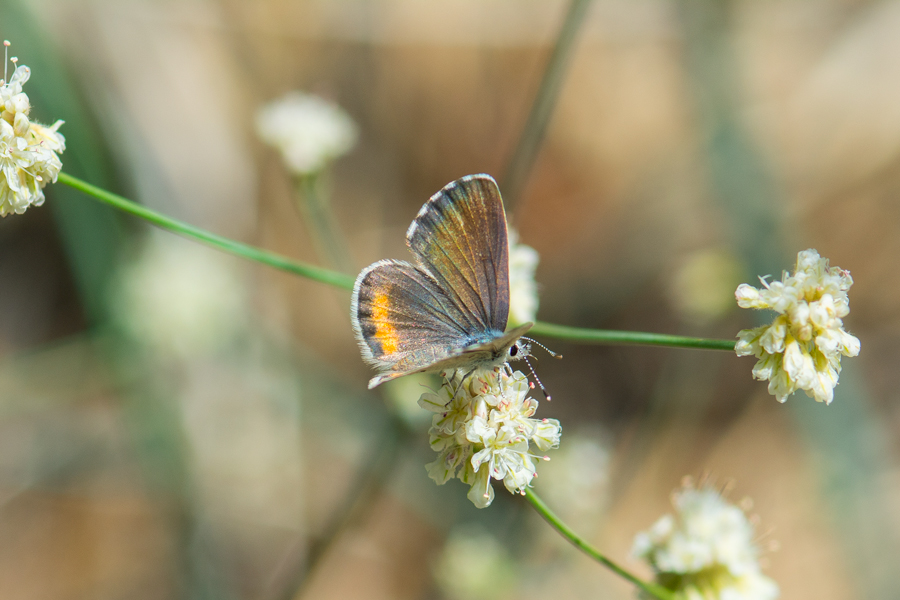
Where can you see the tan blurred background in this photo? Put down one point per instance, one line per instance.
(175, 423)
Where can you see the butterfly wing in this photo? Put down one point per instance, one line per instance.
(479, 355)
(460, 238)
(404, 321)
(450, 309)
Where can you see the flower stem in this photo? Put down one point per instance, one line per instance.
(564, 530)
(320, 222)
(609, 336)
(341, 280)
(222, 243)
(541, 110)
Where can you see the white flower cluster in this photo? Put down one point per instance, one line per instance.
(802, 348)
(482, 429)
(28, 150)
(308, 131)
(705, 551)
(523, 296)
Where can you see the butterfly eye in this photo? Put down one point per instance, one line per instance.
(514, 349)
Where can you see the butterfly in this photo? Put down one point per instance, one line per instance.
(449, 309)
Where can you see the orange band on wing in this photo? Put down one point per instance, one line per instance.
(384, 331)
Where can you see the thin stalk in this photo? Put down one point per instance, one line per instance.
(321, 224)
(247, 251)
(544, 102)
(652, 589)
(608, 336)
(340, 280)
(370, 479)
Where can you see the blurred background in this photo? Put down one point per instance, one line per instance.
(177, 423)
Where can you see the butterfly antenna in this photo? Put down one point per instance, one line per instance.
(536, 378)
(546, 349)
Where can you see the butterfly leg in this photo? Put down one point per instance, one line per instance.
(463, 380)
(459, 385)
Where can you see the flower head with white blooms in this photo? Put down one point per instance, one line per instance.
(802, 348)
(28, 150)
(483, 429)
(705, 551)
(309, 131)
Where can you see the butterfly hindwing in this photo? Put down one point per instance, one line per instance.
(460, 237)
(403, 319)
(479, 355)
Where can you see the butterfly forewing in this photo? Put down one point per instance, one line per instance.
(460, 237)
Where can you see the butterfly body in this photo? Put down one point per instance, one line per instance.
(449, 310)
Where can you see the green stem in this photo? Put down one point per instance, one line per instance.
(222, 243)
(541, 110)
(563, 332)
(608, 336)
(576, 540)
(320, 222)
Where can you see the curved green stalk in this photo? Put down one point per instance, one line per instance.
(320, 222)
(341, 280)
(313, 272)
(610, 336)
(652, 589)
(529, 143)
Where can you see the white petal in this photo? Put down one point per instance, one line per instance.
(748, 296)
(849, 344)
(432, 402)
(479, 458)
(772, 339)
(21, 124)
(781, 386)
(829, 342)
(809, 260)
(479, 432)
(519, 479)
(546, 434)
(799, 365)
(20, 76)
(748, 341)
(482, 492)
